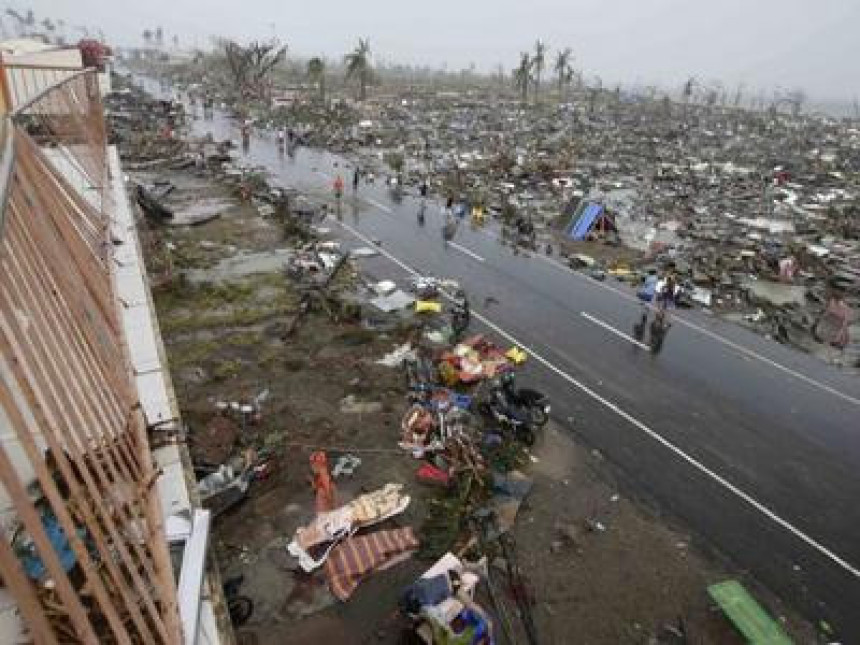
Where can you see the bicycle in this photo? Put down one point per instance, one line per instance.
(659, 326)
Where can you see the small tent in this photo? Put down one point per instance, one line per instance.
(589, 216)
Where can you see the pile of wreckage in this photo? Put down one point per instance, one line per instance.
(467, 426)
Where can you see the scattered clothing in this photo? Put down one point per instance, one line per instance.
(313, 543)
(358, 557)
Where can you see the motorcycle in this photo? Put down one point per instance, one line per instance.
(520, 411)
(535, 402)
(461, 315)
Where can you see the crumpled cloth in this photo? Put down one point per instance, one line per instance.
(355, 559)
(331, 527)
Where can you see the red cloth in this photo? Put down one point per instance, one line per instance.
(355, 559)
(429, 474)
(322, 483)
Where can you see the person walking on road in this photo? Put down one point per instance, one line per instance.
(832, 327)
(356, 177)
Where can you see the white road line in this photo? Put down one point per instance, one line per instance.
(719, 479)
(612, 329)
(380, 206)
(463, 249)
(714, 336)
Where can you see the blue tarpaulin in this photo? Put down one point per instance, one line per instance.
(581, 225)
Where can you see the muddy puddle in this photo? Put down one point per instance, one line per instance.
(200, 211)
(241, 265)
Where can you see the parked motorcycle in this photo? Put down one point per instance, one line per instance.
(461, 315)
(535, 402)
(520, 411)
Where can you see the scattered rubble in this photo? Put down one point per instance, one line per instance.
(421, 447)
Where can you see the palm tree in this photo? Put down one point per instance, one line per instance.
(358, 66)
(538, 63)
(563, 68)
(316, 72)
(523, 75)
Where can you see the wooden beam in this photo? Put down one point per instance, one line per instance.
(47, 397)
(58, 505)
(32, 521)
(25, 596)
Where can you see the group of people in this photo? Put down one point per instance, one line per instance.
(662, 291)
(286, 138)
(338, 185)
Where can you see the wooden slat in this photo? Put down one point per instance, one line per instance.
(48, 203)
(97, 381)
(33, 523)
(86, 386)
(61, 444)
(49, 396)
(74, 286)
(51, 402)
(94, 385)
(25, 437)
(25, 595)
(60, 324)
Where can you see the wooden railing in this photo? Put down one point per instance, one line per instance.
(82, 545)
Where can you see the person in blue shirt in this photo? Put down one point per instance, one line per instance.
(649, 287)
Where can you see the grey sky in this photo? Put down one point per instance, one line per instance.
(764, 43)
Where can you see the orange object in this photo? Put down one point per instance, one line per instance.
(322, 482)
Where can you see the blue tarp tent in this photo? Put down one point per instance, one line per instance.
(589, 216)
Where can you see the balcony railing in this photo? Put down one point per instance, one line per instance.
(82, 547)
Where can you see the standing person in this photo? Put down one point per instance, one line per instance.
(338, 187)
(649, 287)
(282, 138)
(356, 177)
(832, 327)
(246, 135)
(666, 297)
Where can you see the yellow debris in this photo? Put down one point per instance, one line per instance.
(427, 307)
(516, 355)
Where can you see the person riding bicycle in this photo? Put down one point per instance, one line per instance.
(665, 299)
(666, 293)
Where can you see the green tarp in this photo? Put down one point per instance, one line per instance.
(747, 615)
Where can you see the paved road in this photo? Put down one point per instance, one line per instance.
(755, 447)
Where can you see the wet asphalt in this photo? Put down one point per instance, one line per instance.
(758, 461)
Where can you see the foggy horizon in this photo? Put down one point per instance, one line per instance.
(785, 45)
